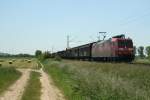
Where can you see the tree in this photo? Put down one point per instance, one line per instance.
(38, 53)
(141, 51)
(148, 51)
(46, 54)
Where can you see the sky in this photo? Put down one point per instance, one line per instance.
(28, 25)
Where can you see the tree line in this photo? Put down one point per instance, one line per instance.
(42, 55)
(142, 52)
(16, 55)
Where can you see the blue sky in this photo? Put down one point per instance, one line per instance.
(27, 25)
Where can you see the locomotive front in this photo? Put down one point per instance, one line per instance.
(123, 48)
(117, 48)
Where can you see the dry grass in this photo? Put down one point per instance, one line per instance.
(19, 62)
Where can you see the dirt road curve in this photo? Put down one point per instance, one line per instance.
(15, 91)
(49, 91)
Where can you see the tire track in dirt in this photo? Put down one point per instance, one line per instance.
(16, 90)
(49, 90)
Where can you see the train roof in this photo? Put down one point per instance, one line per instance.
(122, 36)
(81, 45)
(119, 36)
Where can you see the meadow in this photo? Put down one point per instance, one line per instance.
(142, 61)
(82, 80)
(8, 75)
(19, 62)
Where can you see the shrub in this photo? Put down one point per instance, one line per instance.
(0, 65)
(57, 58)
(44, 55)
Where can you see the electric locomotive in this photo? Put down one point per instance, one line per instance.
(117, 48)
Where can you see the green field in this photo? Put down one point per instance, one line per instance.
(81, 80)
(33, 88)
(8, 75)
(8, 72)
(142, 61)
(19, 62)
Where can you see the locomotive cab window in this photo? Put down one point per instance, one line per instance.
(125, 43)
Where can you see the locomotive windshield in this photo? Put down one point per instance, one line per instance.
(125, 43)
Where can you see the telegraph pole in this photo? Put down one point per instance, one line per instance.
(68, 41)
(52, 49)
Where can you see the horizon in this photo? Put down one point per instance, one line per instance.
(30, 25)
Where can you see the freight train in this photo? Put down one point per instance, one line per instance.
(117, 48)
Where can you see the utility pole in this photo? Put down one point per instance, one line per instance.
(68, 41)
(52, 49)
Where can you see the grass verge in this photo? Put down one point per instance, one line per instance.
(33, 88)
(81, 80)
(8, 75)
(63, 79)
(39, 66)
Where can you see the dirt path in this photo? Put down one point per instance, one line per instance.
(49, 91)
(15, 91)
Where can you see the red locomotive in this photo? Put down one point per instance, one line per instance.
(117, 48)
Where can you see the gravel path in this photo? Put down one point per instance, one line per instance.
(49, 90)
(15, 91)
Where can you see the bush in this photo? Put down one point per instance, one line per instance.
(44, 55)
(0, 65)
(57, 58)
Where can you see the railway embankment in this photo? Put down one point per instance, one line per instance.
(94, 81)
